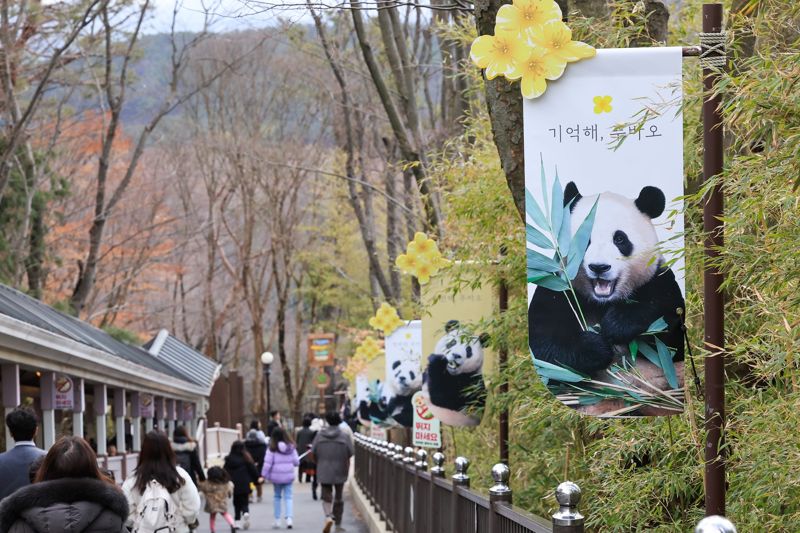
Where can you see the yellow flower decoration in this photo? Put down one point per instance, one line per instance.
(369, 349)
(386, 319)
(530, 43)
(556, 37)
(422, 258)
(525, 16)
(536, 66)
(495, 53)
(602, 104)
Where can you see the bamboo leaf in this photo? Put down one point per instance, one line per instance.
(665, 356)
(537, 238)
(534, 211)
(633, 346)
(541, 262)
(557, 208)
(580, 242)
(549, 371)
(650, 353)
(554, 283)
(544, 185)
(658, 326)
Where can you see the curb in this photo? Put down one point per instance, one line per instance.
(361, 502)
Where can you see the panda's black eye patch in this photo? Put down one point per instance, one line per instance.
(469, 352)
(395, 364)
(451, 343)
(623, 244)
(411, 375)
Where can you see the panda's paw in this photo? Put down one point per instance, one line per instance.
(622, 325)
(595, 352)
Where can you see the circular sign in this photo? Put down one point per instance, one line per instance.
(63, 384)
(322, 380)
(421, 407)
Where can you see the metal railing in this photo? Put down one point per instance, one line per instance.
(411, 499)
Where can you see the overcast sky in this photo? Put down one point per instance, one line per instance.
(229, 15)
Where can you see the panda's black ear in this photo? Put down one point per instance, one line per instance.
(651, 201)
(484, 338)
(451, 325)
(571, 195)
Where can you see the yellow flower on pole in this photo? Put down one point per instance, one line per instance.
(422, 258)
(556, 37)
(495, 53)
(525, 16)
(386, 319)
(369, 349)
(535, 67)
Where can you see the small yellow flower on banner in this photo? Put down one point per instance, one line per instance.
(602, 104)
(530, 44)
(422, 258)
(386, 319)
(369, 349)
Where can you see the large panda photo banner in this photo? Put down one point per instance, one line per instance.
(604, 181)
(403, 350)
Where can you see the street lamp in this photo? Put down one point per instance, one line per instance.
(266, 359)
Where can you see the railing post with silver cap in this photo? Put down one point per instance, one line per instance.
(568, 519)
(715, 524)
(437, 470)
(438, 464)
(499, 494)
(460, 479)
(420, 465)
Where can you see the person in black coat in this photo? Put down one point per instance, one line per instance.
(69, 493)
(256, 445)
(187, 455)
(242, 470)
(305, 437)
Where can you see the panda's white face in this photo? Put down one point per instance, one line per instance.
(623, 251)
(464, 352)
(406, 378)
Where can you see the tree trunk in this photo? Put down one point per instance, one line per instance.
(504, 103)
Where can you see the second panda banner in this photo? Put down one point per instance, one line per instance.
(604, 181)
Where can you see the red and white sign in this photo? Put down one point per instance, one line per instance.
(65, 393)
(427, 428)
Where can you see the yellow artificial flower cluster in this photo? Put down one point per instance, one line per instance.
(422, 258)
(369, 349)
(386, 319)
(531, 44)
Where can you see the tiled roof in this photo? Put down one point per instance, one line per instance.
(179, 355)
(22, 307)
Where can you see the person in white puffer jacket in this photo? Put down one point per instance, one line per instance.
(157, 462)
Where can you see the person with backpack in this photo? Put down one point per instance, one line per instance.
(278, 469)
(161, 494)
(218, 489)
(187, 455)
(256, 444)
(332, 449)
(68, 493)
(242, 470)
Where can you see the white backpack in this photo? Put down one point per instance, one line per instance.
(156, 511)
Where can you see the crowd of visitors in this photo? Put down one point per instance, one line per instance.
(65, 489)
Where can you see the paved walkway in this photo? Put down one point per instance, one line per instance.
(308, 517)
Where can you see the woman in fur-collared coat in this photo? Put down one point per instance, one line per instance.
(69, 494)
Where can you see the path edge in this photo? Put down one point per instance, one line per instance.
(360, 501)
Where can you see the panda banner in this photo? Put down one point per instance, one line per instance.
(403, 350)
(456, 353)
(604, 181)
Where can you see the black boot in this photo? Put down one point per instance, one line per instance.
(314, 490)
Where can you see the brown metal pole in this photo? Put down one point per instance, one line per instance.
(714, 314)
(502, 361)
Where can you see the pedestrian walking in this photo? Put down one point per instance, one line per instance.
(186, 454)
(256, 445)
(161, 494)
(218, 489)
(15, 464)
(332, 449)
(274, 422)
(69, 493)
(305, 437)
(279, 464)
(242, 470)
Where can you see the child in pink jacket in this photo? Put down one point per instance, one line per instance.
(279, 465)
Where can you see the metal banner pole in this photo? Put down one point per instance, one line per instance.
(712, 61)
